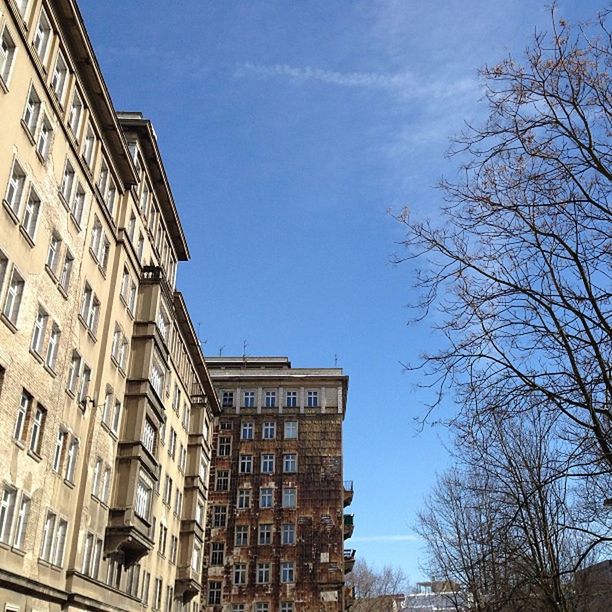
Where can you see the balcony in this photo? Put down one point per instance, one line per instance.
(348, 492)
(349, 560)
(349, 527)
(129, 534)
(187, 584)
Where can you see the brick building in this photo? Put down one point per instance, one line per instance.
(276, 523)
(106, 404)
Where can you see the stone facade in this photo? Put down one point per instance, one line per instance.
(106, 403)
(276, 524)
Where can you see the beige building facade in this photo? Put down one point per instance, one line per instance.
(106, 402)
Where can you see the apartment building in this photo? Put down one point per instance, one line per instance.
(276, 523)
(106, 402)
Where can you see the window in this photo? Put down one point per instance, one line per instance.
(173, 548)
(240, 573)
(13, 297)
(7, 511)
(54, 539)
(67, 181)
(238, 608)
(143, 497)
(144, 593)
(289, 497)
(312, 399)
(66, 271)
(186, 416)
(214, 593)
(22, 522)
(262, 607)
(25, 404)
(178, 503)
(267, 464)
(158, 376)
(42, 36)
(199, 514)
(286, 606)
(3, 268)
(158, 594)
(60, 443)
(266, 497)
(168, 490)
(7, 55)
(290, 463)
(106, 480)
(44, 139)
(265, 534)
(83, 394)
(288, 533)
(144, 199)
(241, 536)
(225, 426)
(32, 112)
(53, 347)
(291, 399)
(53, 252)
(246, 464)
(15, 188)
(270, 399)
(148, 436)
(140, 246)
(163, 537)
(88, 146)
(248, 399)
(109, 198)
(196, 558)
(219, 516)
(78, 205)
(92, 555)
(291, 430)
(269, 430)
(203, 469)
(74, 372)
(76, 112)
(172, 443)
(287, 572)
(73, 451)
(244, 498)
(246, 431)
(38, 423)
(38, 335)
(263, 573)
(176, 398)
(227, 399)
(217, 550)
(59, 78)
(222, 480)
(95, 480)
(132, 297)
(30, 214)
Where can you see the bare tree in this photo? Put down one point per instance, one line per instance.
(507, 524)
(372, 586)
(520, 266)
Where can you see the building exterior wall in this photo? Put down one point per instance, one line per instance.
(103, 386)
(275, 523)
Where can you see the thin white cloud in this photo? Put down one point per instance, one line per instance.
(388, 538)
(404, 83)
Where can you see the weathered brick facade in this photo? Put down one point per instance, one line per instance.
(279, 442)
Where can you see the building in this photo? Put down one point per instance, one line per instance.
(276, 524)
(106, 403)
(443, 595)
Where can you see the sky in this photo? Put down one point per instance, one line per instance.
(290, 132)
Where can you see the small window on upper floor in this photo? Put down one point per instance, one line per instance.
(30, 214)
(32, 112)
(312, 399)
(45, 138)
(60, 77)
(88, 147)
(15, 187)
(227, 399)
(76, 113)
(42, 36)
(12, 301)
(7, 55)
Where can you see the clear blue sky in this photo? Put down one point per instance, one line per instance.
(288, 129)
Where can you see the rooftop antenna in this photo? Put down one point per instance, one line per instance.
(221, 350)
(200, 340)
(244, 349)
(335, 360)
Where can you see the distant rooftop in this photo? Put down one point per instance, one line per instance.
(261, 366)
